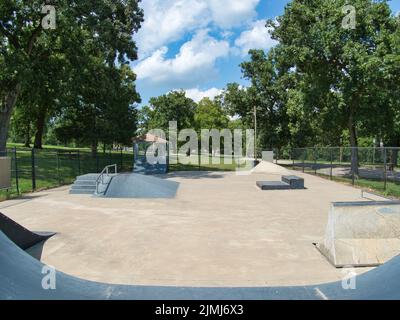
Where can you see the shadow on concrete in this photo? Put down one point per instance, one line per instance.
(36, 251)
(21, 236)
(22, 199)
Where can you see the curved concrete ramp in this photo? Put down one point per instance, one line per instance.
(362, 234)
(21, 278)
(21, 236)
(133, 185)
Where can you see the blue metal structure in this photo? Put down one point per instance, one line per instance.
(150, 145)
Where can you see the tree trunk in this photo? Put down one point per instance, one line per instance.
(40, 122)
(27, 135)
(6, 109)
(94, 148)
(395, 153)
(354, 146)
(27, 140)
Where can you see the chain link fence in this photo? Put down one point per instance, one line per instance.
(208, 162)
(377, 168)
(33, 169)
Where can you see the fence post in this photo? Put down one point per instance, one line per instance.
(315, 160)
(199, 152)
(304, 160)
(16, 169)
(385, 168)
(167, 146)
(33, 169)
(79, 163)
(58, 168)
(331, 163)
(292, 156)
(122, 160)
(233, 156)
(353, 178)
(373, 157)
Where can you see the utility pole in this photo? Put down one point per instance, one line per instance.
(255, 133)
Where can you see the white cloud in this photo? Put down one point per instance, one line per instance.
(194, 63)
(167, 21)
(197, 94)
(230, 13)
(257, 37)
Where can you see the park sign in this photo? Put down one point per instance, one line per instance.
(5, 173)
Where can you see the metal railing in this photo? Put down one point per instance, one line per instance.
(105, 173)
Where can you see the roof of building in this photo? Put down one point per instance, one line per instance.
(148, 137)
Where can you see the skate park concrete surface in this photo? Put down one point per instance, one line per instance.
(220, 230)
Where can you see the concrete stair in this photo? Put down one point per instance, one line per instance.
(85, 184)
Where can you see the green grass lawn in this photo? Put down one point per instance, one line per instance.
(392, 188)
(56, 166)
(376, 186)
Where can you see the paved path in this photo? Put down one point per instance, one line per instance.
(342, 170)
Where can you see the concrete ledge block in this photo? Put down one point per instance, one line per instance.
(273, 185)
(295, 182)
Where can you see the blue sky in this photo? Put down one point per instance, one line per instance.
(197, 45)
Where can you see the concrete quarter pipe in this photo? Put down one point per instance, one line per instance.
(21, 236)
(21, 279)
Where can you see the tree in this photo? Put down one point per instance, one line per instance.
(21, 126)
(268, 94)
(107, 25)
(209, 114)
(337, 64)
(174, 106)
(237, 103)
(103, 109)
(265, 99)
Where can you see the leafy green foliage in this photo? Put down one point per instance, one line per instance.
(90, 37)
(174, 106)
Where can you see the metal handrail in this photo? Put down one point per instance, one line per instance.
(105, 172)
